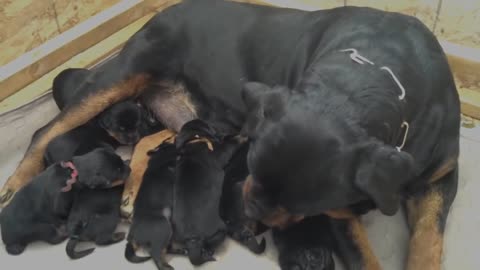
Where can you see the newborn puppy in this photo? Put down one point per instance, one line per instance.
(198, 187)
(39, 210)
(306, 245)
(77, 142)
(126, 121)
(151, 226)
(94, 217)
(239, 227)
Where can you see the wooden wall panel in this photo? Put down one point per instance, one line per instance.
(307, 4)
(25, 24)
(459, 22)
(425, 10)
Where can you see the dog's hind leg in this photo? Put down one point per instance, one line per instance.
(427, 214)
(352, 246)
(138, 165)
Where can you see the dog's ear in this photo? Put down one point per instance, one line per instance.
(382, 173)
(263, 103)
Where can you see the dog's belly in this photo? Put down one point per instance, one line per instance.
(171, 104)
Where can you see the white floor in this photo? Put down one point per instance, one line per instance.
(388, 235)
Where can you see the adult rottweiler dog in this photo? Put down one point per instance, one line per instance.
(40, 209)
(151, 227)
(125, 121)
(94, 217)
(307, 245)
(239, 227)
(338, 91)
(198, 188)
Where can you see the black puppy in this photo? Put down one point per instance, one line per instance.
(94, 217)
(306, 245)
(239, 226)
(151, 227)
(126, 121)
(198, 188)
(40, 209)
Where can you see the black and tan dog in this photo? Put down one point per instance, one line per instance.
(239, 227)
(40, 210)
(307, 245)
(198, 188)
(94, 217)
(151, 227)
(325, 138)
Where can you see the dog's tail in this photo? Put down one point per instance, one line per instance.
(132, 256)
(73, 241)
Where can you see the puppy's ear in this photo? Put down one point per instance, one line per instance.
(382, 174)
(263, 103)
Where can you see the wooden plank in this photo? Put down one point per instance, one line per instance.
(470, 102)
(307, 4)
(425, 10)
(28, 23)
(46, 57)
(459, 22)
(86, 59)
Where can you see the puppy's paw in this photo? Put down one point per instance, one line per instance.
(6, 196)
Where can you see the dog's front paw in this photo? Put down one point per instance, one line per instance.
(126, 208)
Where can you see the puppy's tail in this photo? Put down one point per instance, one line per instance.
(73, 241)
(74, 255)
(157, 254)
(131, 255)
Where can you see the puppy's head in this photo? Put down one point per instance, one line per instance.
(123, 121)
(101, 168)
(195, 130)
(302, 164)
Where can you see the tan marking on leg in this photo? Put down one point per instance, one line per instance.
(447, 167)
(138, 165)
(343, 213)
(32, 162)
(426, 242)
(359, 236)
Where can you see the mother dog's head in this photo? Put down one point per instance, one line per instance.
(305, 161)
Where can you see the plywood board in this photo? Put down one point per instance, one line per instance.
(28, 23)
(459, 22)
(308, 4)
(32, 65)
(90, 57)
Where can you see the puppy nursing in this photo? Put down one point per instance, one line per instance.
(151, 227)
(198, 188)
(40, 210)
